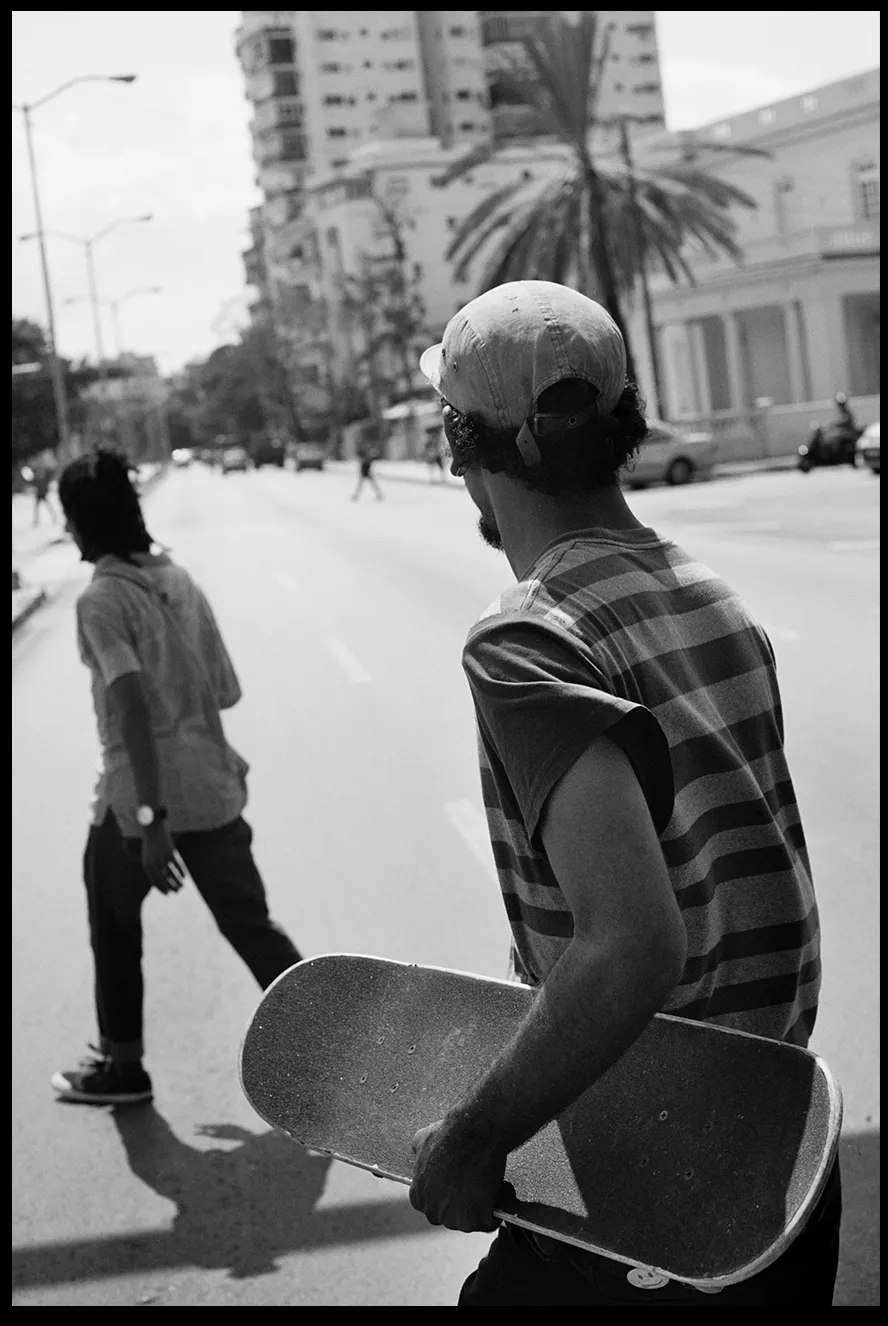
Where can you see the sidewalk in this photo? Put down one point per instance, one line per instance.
(417, 471)
(31, 542)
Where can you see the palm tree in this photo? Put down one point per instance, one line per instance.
(599, 223)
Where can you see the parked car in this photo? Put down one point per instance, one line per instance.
(269, 451)
(309, 455)
(868, 447)
(234, 458)
(670, 454)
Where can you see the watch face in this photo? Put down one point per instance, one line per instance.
(145, 816)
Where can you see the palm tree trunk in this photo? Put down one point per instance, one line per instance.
(599, 251)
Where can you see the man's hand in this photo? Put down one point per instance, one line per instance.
(457, 1182)
(160, 860)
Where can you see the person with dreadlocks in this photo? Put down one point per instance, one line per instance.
(171, 790)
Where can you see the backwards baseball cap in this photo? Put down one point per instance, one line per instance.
(501, 352)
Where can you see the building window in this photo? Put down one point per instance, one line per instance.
(331, 67)
(647, 58)
(337, 133)
(285, 85)
(329, 34)
(289, 114)
(722, 131)
(292, 147)
(392, 65)
(809, 103)
(458, 31)
(463, 95)
(281, 50)
(767, 116)
(339, 161)
(467, 127)
(782, 188)
(404, 96)
(640, 29)
(335, 100)
(867, 191)
(646, 87)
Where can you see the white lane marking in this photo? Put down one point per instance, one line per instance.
(471, 826)
(287, 581)
(780, 632)
(855, 545)
(347, 661)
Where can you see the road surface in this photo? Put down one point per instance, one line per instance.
(346, 622)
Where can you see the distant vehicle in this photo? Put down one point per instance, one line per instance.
(309, 455)
(670, 454)
(234, 458)
(868, 447)
(268, 451)
(182, 456)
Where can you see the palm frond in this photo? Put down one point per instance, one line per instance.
(478, 156)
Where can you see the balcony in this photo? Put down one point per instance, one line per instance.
(510, 26)
(510, 121)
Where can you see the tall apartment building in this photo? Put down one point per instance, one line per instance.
(328, 85)
(631, 81)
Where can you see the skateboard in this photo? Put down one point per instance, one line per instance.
(698, 1156)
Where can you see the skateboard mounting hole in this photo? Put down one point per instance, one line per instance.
(411, 1049)
(664, 1114)
(363, 1078)
(395, 1087)
(379, 1040)
(643, 1161)
(688, 1174)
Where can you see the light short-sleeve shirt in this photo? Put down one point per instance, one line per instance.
(151, 618)
(621, 633)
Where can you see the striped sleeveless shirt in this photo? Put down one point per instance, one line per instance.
(623, 633)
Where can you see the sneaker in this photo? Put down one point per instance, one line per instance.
(99, 1081)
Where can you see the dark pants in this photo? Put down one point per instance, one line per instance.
(221, 864)
(515, 1273)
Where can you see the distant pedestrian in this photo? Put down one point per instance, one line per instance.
(434, 459)
(368, 452)
(171, 789)
(42, 482)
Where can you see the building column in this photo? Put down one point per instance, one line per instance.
(799, 386)
(736, 359)
(826, 347)
(697, 346)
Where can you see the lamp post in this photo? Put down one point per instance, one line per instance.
(58, 383)
(88, 247)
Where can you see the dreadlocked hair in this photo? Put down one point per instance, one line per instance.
(591, 456)
(98, 498)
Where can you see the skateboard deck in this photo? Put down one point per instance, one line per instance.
(699, 1155)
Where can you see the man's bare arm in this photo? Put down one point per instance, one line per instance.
(627, 953)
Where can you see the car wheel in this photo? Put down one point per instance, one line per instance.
(680, 471)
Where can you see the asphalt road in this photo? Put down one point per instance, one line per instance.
(346, 622)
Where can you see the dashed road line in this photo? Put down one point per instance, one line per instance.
(471, 826)
(356, 673)
(855, 545)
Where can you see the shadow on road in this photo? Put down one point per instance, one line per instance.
(238, 1209)
(858, 1280)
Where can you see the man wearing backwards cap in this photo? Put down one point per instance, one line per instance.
(645, 827)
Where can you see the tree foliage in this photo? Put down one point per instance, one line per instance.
(599, 221)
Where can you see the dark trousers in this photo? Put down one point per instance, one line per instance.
(515, 1273)
(221, 864)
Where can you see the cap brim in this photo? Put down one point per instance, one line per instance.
(430, 364)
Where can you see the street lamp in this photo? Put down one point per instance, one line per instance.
(58, 384)
(88, 247)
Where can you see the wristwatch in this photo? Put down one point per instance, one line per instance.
(148, 815)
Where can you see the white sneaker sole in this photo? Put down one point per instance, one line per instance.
(60, 1084)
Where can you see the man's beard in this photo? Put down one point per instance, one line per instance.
(489, 532)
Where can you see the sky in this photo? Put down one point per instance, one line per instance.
(175, 145)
